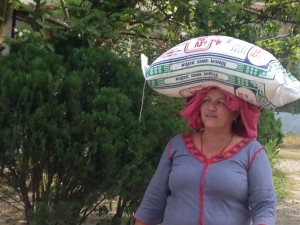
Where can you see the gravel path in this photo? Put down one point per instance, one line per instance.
(288, 211)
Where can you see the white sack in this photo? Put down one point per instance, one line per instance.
(236, 66)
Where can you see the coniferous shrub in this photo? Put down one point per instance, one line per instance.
(71, 134)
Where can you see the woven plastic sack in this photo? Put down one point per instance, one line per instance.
(241, 68)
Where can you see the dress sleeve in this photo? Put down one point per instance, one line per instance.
(262, 195)
(152, 207)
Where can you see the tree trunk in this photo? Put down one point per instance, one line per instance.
(116, 220)
(5, 15)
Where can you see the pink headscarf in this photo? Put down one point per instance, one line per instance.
(249, 113)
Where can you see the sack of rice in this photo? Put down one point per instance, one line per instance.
(241, 68)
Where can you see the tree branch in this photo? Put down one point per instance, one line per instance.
(65, 11)
(261, 14)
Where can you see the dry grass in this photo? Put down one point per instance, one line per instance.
(291, 141)
(286, 154)
(290, 148)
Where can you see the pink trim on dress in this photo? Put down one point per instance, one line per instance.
(198, 154)
(253, 157)
(140, 221)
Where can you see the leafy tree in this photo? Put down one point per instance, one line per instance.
(154, 26)
(71, 137)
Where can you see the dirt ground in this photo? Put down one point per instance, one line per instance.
(288, 211)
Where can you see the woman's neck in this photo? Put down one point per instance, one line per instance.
(213, 143)
(216, 134)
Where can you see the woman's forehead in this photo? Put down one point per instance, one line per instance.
(215, 93)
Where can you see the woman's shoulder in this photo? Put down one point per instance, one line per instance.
(251, 145)
(255, 144)
(250, 141)
(183, 140)
(182, 135)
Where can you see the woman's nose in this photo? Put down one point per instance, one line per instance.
(212, 106)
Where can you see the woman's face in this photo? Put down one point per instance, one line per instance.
(214, 111)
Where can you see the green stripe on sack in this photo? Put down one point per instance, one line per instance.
(244, 82)
(156, 70)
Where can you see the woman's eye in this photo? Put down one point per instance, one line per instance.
(222, 102)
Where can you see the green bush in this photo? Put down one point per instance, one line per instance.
(273, 151)
(281, 183)
(71, 134)
(279, 177)
(269, 128)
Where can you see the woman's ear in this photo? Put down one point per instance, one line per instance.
(235, 115)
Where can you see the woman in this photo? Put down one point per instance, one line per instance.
(217, 175)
